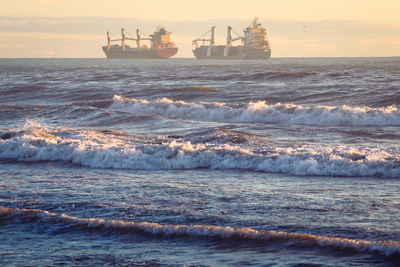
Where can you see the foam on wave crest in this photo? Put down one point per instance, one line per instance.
(115, 150)
(262, 112)
(204, 231)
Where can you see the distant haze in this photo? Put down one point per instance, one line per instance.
(301, 28)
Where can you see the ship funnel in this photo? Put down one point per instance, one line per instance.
(212, 40)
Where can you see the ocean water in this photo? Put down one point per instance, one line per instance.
(184, 162)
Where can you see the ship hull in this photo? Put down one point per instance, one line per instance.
(233, 52)
(131, 53)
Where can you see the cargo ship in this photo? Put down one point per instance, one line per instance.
(255, 44)
(159, 45)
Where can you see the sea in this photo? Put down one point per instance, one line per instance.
(185, 162)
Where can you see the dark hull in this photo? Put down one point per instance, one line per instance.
(129, 53)
(234, 52)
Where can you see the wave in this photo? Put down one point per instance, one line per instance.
(217, 150)
(386, 248)
(24, 88)
(199, 88)
(278, 75)
(250, 76)
(262, 112)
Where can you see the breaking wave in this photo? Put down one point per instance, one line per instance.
(262, 112)
(99, 149)
(386, 248)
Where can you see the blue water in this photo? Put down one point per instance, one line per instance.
(184, 162)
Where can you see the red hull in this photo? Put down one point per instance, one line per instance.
(167, 52)
(117, 52)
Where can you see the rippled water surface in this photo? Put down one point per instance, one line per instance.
(287, 162)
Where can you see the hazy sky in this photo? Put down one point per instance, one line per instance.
(300, 28)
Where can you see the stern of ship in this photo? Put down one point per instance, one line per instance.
(166, 52)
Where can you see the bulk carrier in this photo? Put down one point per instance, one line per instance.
(160, 45)
(255, 44)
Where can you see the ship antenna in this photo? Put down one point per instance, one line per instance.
(255, 21)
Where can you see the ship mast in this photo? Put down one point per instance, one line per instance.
(108, 41)
(138, 38)
(123, 38)
(212, 39)
(255, 22)
(229, 39)
(229, 36)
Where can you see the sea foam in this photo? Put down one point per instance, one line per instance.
(260, 111)
(100, 150)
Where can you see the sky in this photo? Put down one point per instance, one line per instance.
(296, 28)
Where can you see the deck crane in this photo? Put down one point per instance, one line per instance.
(201, 38)
(137, 39)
